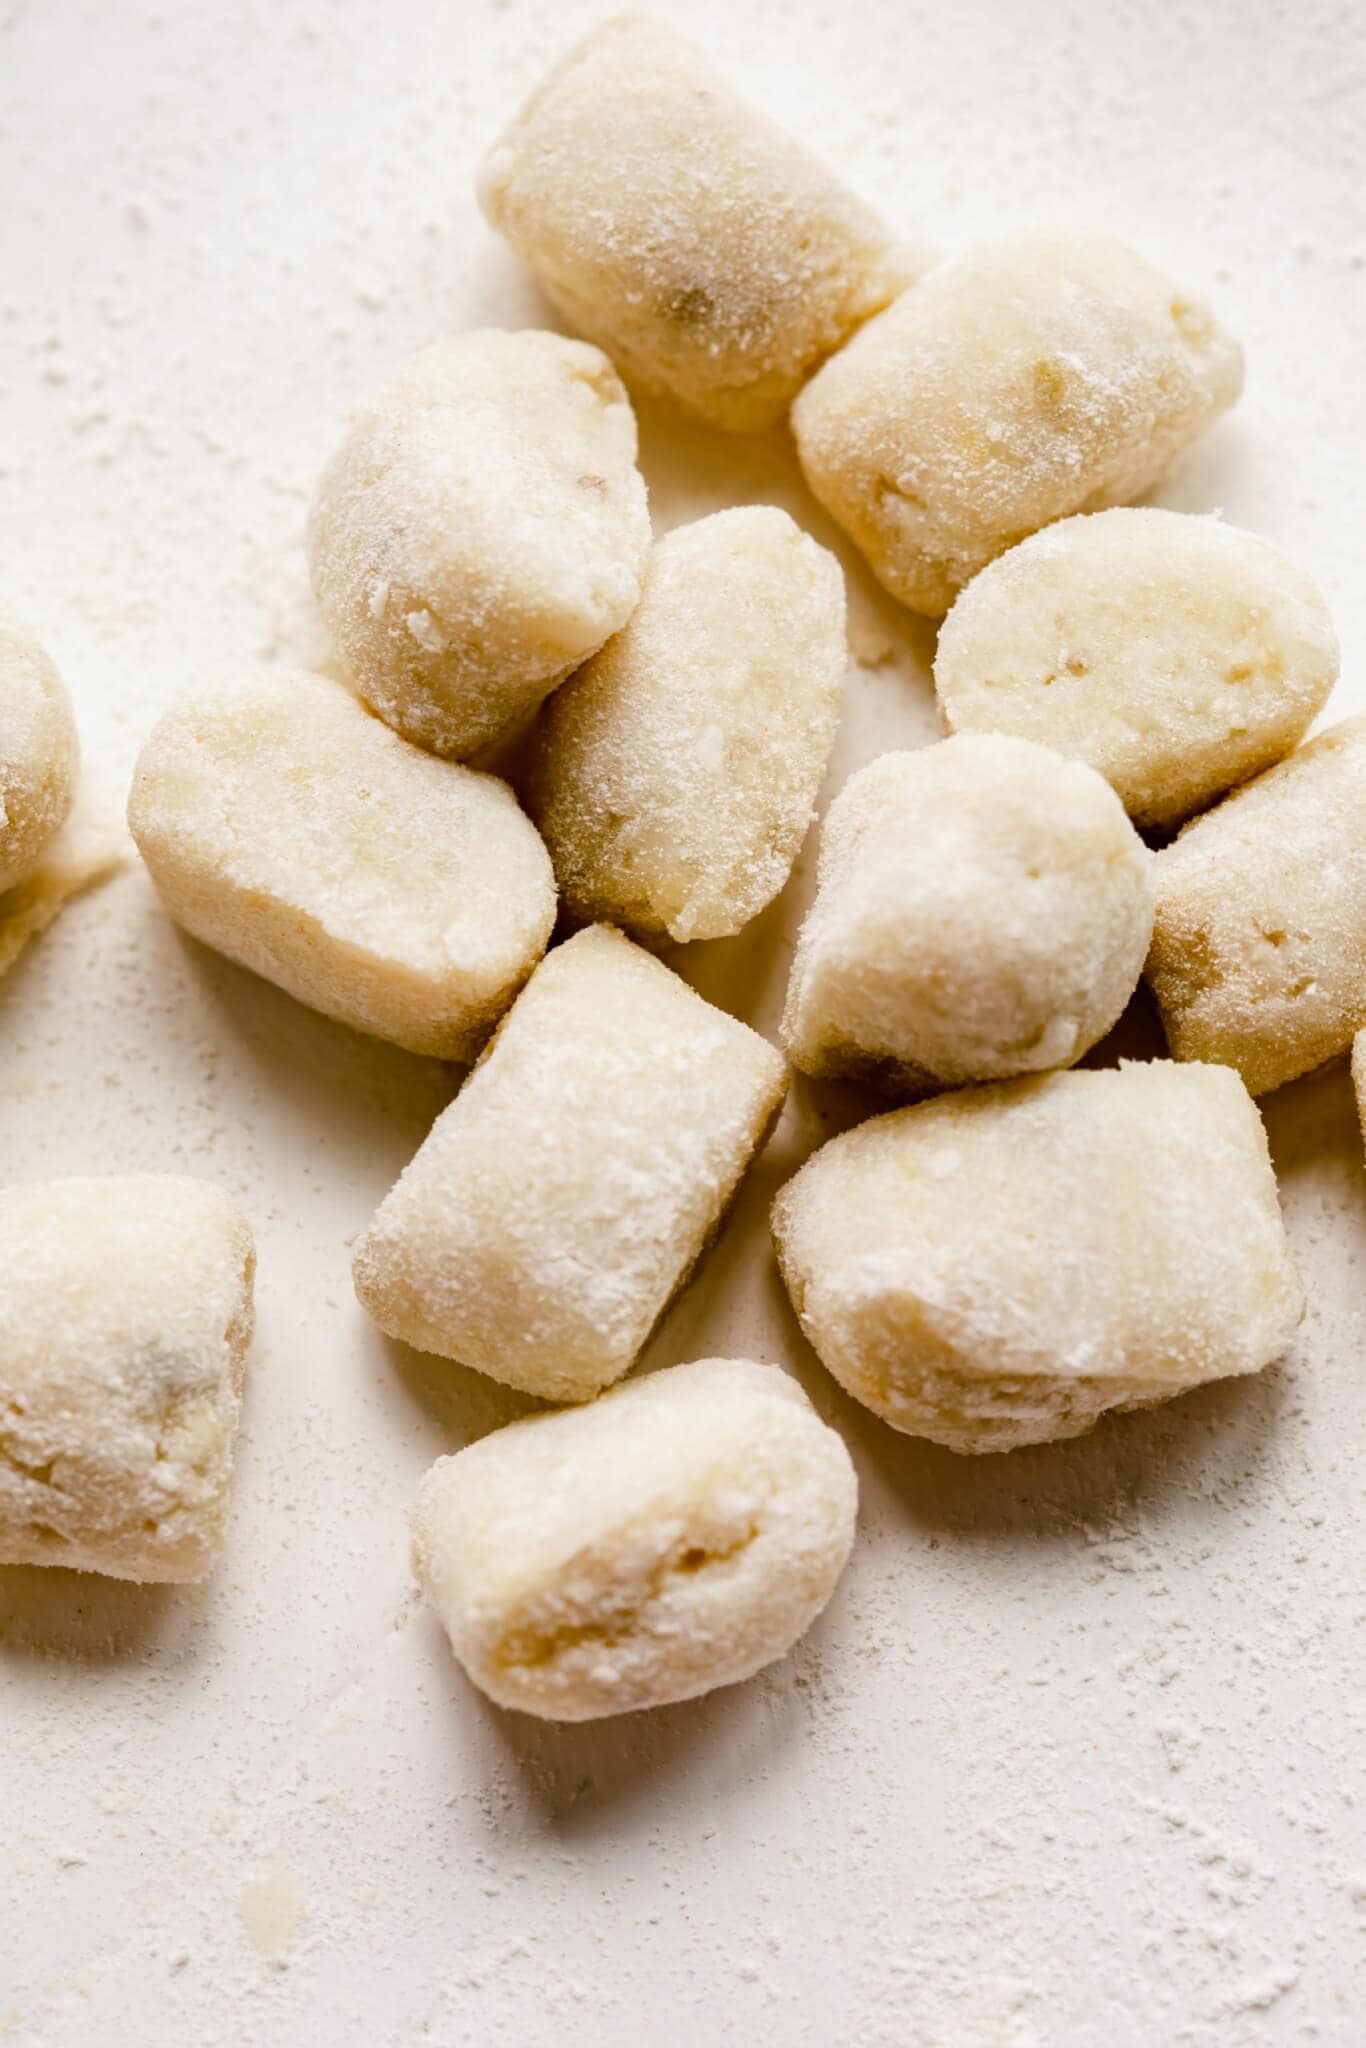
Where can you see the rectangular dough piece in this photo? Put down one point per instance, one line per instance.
(125, 1316)
(709, 253)
(563, 1199)
(1258, 958)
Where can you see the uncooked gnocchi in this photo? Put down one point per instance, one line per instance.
(1031, 379)
(286, 827)
(480, 532)
(1002, 1266)
(709, 253)
(675, 776)
(984, 909)
(677, 1535)
(563, 1199)
(39, 754)
(1176, 655)
(1259, 939)
(125, 1316)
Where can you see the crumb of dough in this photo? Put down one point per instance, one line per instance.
(87, 849)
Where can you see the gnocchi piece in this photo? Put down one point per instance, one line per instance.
(1259, 940)
(287, 828)
(675, 1536)
(39, 753)
(1033, 378)
(480, 532)
(709, 253)
(1001, 1267)
(125, 1319)
(984, 909)
(1359, 1078)
(563, 1199)
(676, 775)
(1176, 655)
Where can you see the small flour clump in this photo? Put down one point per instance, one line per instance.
(984, 909)
(39, 753)
(677, 1535)
(1259, 939)
(125, 1317)
(1031, 379)
(1176, 655)
(712, 255)
(676, 775)
(1002, 1266)
(480, 532)
(288, 828)
(562, 1200)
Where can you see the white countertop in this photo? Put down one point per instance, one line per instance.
(1075, 1757)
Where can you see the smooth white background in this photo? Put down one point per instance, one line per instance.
(1075, 1756)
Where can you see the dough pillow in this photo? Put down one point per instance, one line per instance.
(480, 532)
(711, 255)
(1174, 654)
(1031, 379)
(125, 1316)
(565, 1196)
(1002, 1266)
(677, 1535)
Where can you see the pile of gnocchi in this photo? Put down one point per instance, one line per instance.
(1015, 1246)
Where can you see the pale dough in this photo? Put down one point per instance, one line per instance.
(1176, 655)
(983, 909)
(1033, 378)
(562, 1200)
(677, 1535)
(288, 828)
(1000, 1267)
(676, 775)
(709, 253)
(125, 1316)
(39, 753)
(1259, 941)
(480, 532)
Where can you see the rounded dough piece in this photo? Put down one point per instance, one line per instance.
(1002, 1266)
(677, 1535)
(983, 909)
(125, 1317)
(714, 257)
(1174, 654)
(286, 827)
(39, 753)
(561, 1202)
(480, 532)
(1259, 936)
(1034, 378)
(676, 775)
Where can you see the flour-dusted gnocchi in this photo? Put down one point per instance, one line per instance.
(1033, 378)
(1359, 1078)
(480, 532)
(1176, 655)
(563, 1199)
(125, 1316)
(984, 909)
(1001, 1266)
(677, 1535)
(709, 253)
(1259, 940)
(39, 754)
(287, 828)
(675, 776)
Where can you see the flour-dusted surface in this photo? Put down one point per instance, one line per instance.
(1074, 1758)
